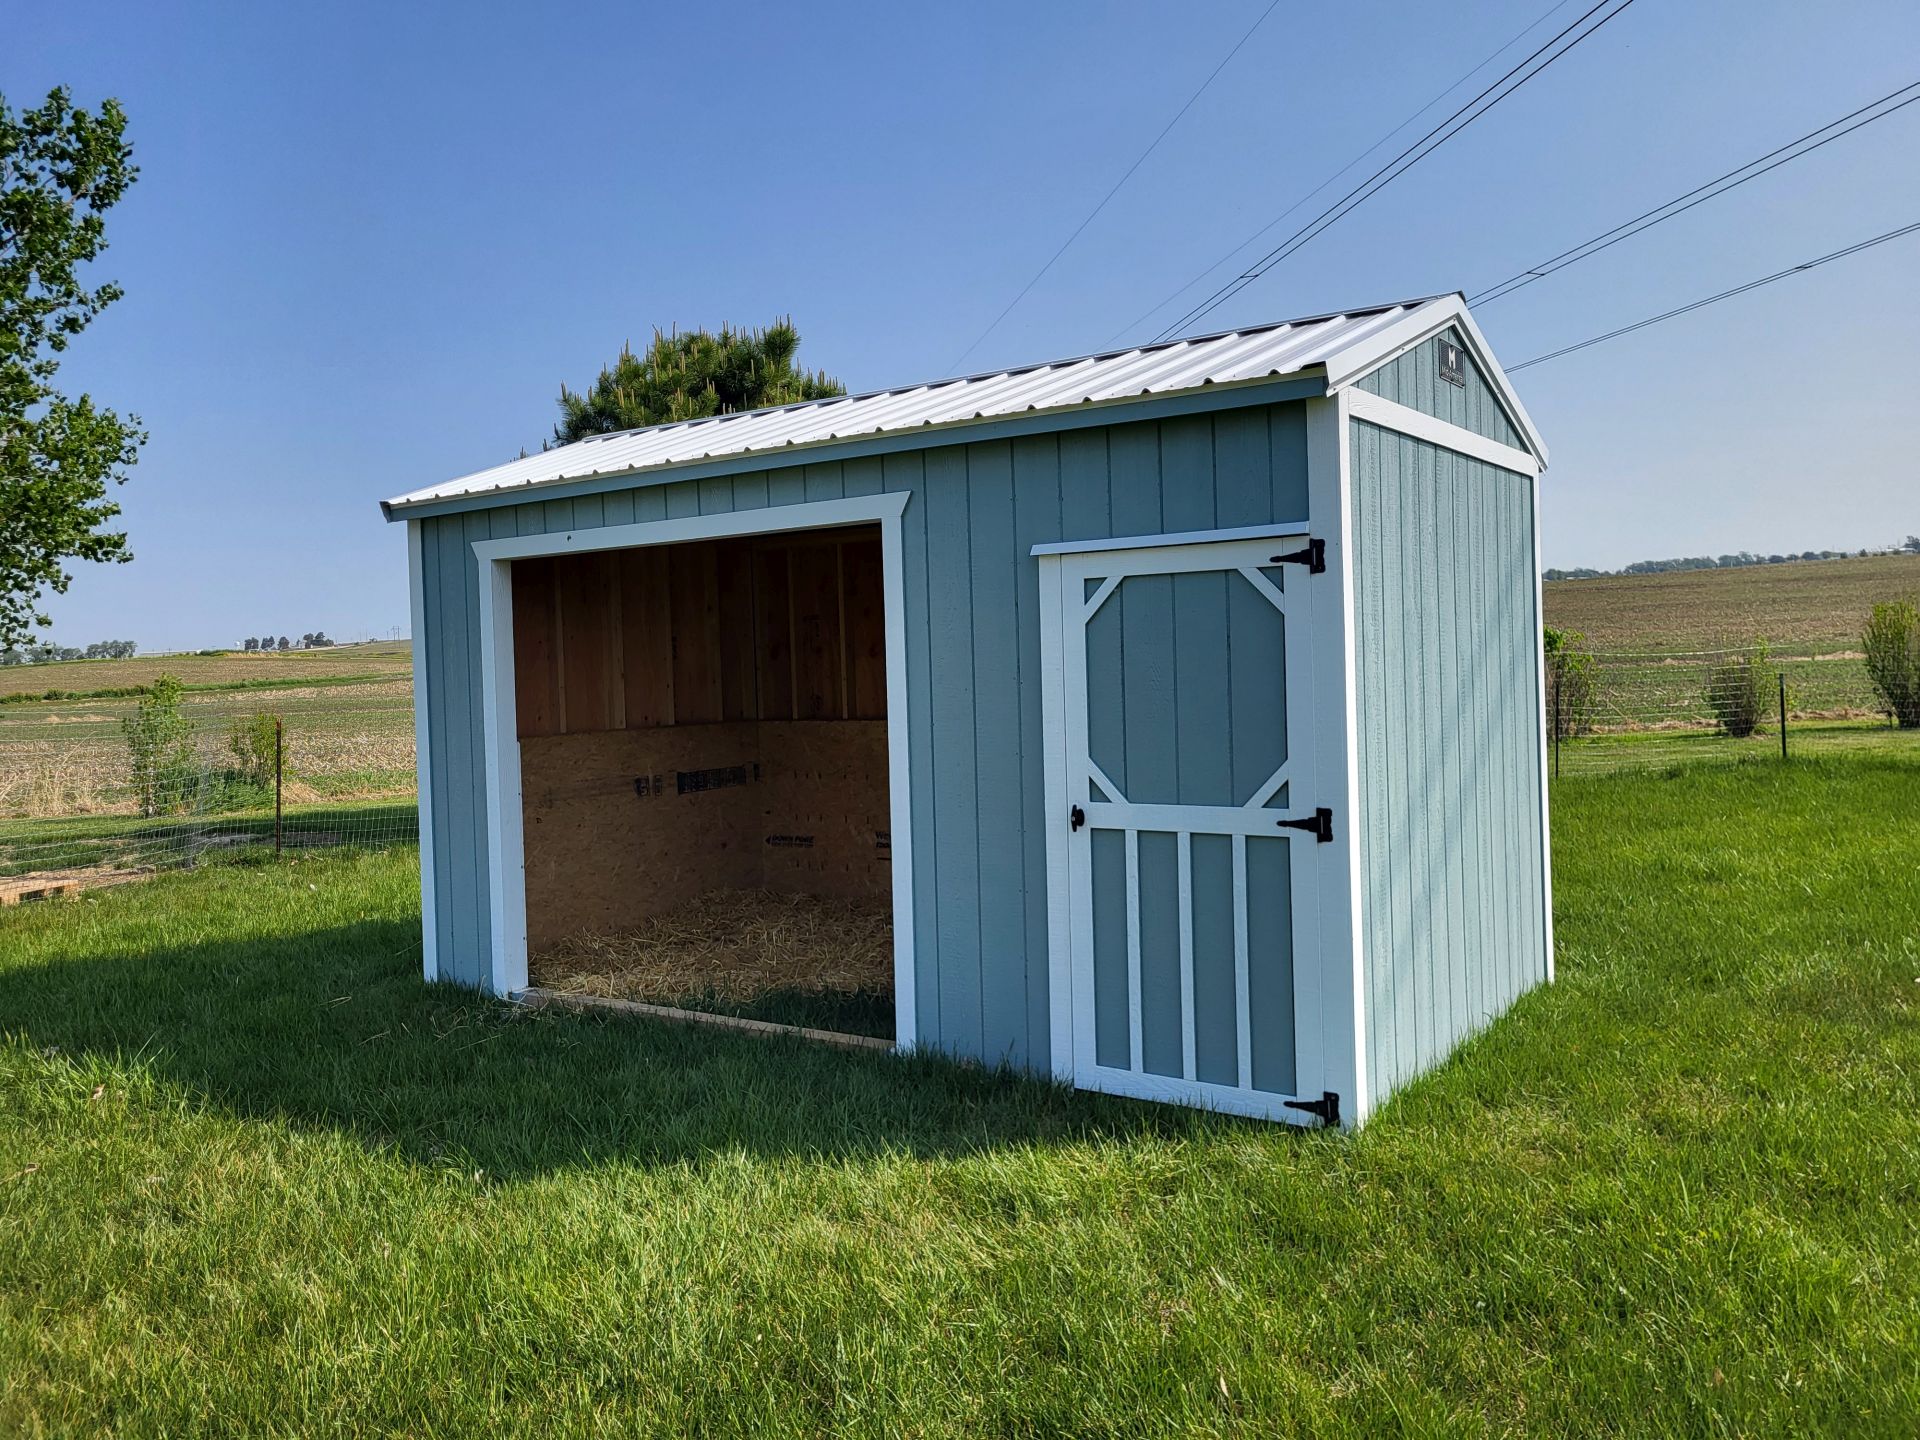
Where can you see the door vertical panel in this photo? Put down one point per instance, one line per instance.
(1215, 1021)
(1270, 986)
(1162, 1026)
(1112, 1045)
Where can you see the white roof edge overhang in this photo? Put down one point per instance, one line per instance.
(1304, 382)
(1348, 366)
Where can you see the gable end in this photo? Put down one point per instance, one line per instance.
(1414, 380)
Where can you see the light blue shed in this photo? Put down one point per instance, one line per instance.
(1186, 701)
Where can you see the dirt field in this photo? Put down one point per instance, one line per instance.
(349, 735)
(1814, 607)
(390, 659)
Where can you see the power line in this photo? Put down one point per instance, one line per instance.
(1500, 50)
(1699, 195)
(1138, 162)
(1723, 295)
(1405, 161)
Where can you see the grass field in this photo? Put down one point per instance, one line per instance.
(256, 1178)
(1813, 607)
(387, 659)
(348, 714)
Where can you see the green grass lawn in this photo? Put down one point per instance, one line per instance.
(115, 840)
(255, 1178)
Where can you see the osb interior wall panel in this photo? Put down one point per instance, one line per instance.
(787, 627)
(624, 824)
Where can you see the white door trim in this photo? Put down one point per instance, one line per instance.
(1181, 537)
(772, 520)
(1053, 730)
(506, 864)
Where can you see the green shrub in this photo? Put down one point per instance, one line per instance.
(1573, 681)
(1892, 643)
(161, 760)
(252, 741)
(1742, 690)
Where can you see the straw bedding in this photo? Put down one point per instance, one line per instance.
(734, 946)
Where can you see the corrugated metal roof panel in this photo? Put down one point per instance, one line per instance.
(1233, 356)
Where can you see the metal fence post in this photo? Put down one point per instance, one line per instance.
(277, 751)
(1783, 714)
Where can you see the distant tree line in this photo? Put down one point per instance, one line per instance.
(1731, 562)
(42, 654)
(312, 640)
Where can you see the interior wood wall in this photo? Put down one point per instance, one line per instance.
(778, 627)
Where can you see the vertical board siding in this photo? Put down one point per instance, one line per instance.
(958, 899)
(1414, 380)
(973, 687)
(1452, 854)
(999, 816)
(1036, 518)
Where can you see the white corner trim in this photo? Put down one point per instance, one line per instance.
(506, 863)
(770, 520)
(1540, 674)
(1336, 693)
(1155, 542)
(1417, 327)
(1391, 415)
(422, 750)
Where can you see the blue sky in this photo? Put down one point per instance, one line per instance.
(370, 241)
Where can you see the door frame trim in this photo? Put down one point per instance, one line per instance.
(1329, 711)
(506, 862)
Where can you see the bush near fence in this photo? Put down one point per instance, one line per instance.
(1653, 710)
(102, 787)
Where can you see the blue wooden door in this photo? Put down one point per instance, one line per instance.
(1178, 754)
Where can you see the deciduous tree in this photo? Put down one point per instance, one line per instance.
(61, 169)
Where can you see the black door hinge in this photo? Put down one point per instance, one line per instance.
(1076, 817)
(1319, 825)
(1327, 1107)
(1314, 557)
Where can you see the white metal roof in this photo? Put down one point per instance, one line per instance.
(1343, 346)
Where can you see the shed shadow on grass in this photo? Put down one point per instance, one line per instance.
(334, 1028)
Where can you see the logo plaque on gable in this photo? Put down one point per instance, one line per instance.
(1453, 365)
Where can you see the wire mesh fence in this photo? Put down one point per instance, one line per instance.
(1611, 713)
(95, 791)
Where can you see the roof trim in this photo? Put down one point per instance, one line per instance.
(1352, 365)
(1268, 390)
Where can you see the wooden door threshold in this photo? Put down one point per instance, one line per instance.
(535, 997)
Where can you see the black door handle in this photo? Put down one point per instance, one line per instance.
(1076, 817)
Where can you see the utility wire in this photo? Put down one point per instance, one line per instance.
(1138, 162)
(1723, 295)
(1699, 196)
(1406, 160)
(1156, 308)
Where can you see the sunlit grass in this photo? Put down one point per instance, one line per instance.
(256, 1178)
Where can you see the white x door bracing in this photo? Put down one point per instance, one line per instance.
(1179, 752)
